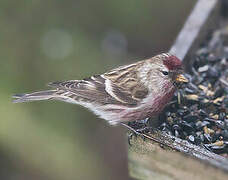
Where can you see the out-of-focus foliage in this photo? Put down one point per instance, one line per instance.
(43, 41)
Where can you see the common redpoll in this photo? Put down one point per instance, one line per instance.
(128, 93)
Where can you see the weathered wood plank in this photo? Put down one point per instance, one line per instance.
(148, 161)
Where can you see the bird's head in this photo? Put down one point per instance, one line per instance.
(163, 71)
(172, 69)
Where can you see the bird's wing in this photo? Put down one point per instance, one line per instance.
(105, 89)
(127, 77)
(95, 89)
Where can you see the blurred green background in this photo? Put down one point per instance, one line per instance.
(44, 41)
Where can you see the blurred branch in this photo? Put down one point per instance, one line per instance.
(201, 19)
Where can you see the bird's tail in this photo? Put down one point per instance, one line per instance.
(36, 96)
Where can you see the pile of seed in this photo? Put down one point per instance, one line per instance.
(199, 111)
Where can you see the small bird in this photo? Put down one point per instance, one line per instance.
(128, 93)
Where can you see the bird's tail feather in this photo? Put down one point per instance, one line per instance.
(36, 96)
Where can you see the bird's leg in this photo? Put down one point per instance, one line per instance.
(145, 126)
(145, 129)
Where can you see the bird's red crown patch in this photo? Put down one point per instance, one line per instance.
(172, 62)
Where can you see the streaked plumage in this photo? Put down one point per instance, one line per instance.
(128, 93)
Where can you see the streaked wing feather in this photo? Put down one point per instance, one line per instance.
(127, 78)
(94, 89)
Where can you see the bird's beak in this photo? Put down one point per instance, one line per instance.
(181, 79)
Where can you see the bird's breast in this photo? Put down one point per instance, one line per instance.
(157, 102)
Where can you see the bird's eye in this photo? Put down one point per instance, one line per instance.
(165, 73)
